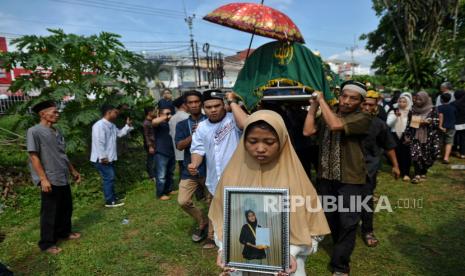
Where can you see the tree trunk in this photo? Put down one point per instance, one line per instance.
(456, 19)
(402, 44)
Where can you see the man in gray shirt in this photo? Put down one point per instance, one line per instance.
(50, 168)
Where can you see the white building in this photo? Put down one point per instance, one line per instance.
(346, 69)
(178, 73)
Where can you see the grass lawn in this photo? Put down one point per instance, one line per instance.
(156, 241)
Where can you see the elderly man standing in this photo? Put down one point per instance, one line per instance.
(446, 88)
(50, 169)
(342, 170)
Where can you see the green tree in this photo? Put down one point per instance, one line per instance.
(150, 71)
(452, 50)
(408, 39)
(92, 69)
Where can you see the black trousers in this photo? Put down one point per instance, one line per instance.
(55, 216)
(343, 224)
(403, 157)
(367, 216)
(150, 165)
(459, 141)
(304, 157)
(419, 170)
(308, 157)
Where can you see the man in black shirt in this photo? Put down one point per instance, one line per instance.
(378, 139)
(165, 160)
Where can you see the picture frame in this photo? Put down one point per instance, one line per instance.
(270, 207)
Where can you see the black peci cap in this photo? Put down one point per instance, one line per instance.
(43, 105)
(213, 94)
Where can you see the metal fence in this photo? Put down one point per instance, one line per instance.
(8, 102)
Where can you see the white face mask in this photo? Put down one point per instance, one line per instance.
(387, 99)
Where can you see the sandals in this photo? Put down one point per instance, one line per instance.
(370, 239)
(209, 244)
(416, 179)
(54, 250)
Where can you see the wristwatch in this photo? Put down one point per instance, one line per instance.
(231, 101)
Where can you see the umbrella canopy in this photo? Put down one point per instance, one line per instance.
(258, 19)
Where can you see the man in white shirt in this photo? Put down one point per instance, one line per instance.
(216, 139)
(104, 153)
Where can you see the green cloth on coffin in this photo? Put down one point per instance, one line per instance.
(278, 60)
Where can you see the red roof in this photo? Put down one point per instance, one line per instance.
(240, 56)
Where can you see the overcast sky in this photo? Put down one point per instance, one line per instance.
(330, 26)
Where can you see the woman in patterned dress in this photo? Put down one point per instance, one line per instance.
(422, 135)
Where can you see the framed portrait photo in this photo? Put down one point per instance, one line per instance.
(256, 229)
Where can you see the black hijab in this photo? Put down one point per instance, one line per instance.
(459, 96)
(253, 224)
(460, 106)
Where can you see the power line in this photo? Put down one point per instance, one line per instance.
(164, 48)
(119, 8)
(11, 35)
(126, 7)
(156, 45)
(141, 7)
(164, 53)
(82, 26)
(225, 48)
(156, 42)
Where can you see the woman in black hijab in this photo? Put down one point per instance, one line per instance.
(248, 236)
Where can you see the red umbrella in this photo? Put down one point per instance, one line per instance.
(256, 19)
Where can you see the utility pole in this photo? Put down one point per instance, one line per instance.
(352, 60)
(189, 20)
(198, 64)
(206, 50)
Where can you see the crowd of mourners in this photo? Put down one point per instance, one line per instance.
(214, 142)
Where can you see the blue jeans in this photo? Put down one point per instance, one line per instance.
(107, 172)
(164, 169)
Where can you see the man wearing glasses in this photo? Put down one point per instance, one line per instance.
(164, 152)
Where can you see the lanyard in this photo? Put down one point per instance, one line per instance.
(251, 229)
(190, 124)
